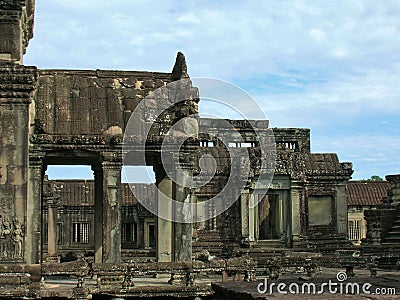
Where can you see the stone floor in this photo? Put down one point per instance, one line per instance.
(245, 290)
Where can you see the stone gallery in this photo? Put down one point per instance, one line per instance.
(100, 227)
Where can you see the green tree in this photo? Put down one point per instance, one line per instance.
(376, 178)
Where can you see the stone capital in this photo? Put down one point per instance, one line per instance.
(36, 160)
(18, 82)
(111, 165)
(52, 202)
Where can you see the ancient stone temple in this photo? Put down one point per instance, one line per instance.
(75, 117)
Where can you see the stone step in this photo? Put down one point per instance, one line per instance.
(393, 240)
(138, 255)
(269, 244)
(394, 232)
(386, 243)
(208, 236)
(138, 259)
(207, 244)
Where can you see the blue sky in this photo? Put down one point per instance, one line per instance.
(331, 66)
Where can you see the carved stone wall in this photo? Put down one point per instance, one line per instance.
(394, 193)
(16, 84)
(72, 103)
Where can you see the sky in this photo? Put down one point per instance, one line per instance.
(331, 66)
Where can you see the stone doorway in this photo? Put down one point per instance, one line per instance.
(95, 230)
(272, 219)
(68, 208)
(68, 213)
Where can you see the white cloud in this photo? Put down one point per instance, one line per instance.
(370, 154)
(306, 62)
(318, 34)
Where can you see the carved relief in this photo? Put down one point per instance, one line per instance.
(11, 239)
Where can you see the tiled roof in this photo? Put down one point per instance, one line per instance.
(81, 192)
(144, 191)
(367, 192)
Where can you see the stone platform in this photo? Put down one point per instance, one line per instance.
(385, 281)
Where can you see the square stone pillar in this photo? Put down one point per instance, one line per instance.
(17, 84)
(111, 249)
(341, 209)
(183, 214)
(34, 209)
(98, 213)
(164, 226)
(253, 219)
(295, 212)
(244, 209)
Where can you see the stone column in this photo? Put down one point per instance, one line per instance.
(34, 209)
(295, 198)
(52, 220)
(252, 219)
(98, 213)
(164, 227)
(111, 249)
(280, 214)
(286, 217)
(139, 233)
(244, 208)
(183, 231)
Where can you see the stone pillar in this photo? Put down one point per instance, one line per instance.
(52, 220)
(111, 249)
(244, 208)
(34, 208)
(98, 213)
(17, 83)
(183, 231)
(140, 233)
(252, 219)
(164, 227)
(286, 217)
(341, 209)
(295, 198)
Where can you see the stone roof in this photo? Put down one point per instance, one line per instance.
(367, 193)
